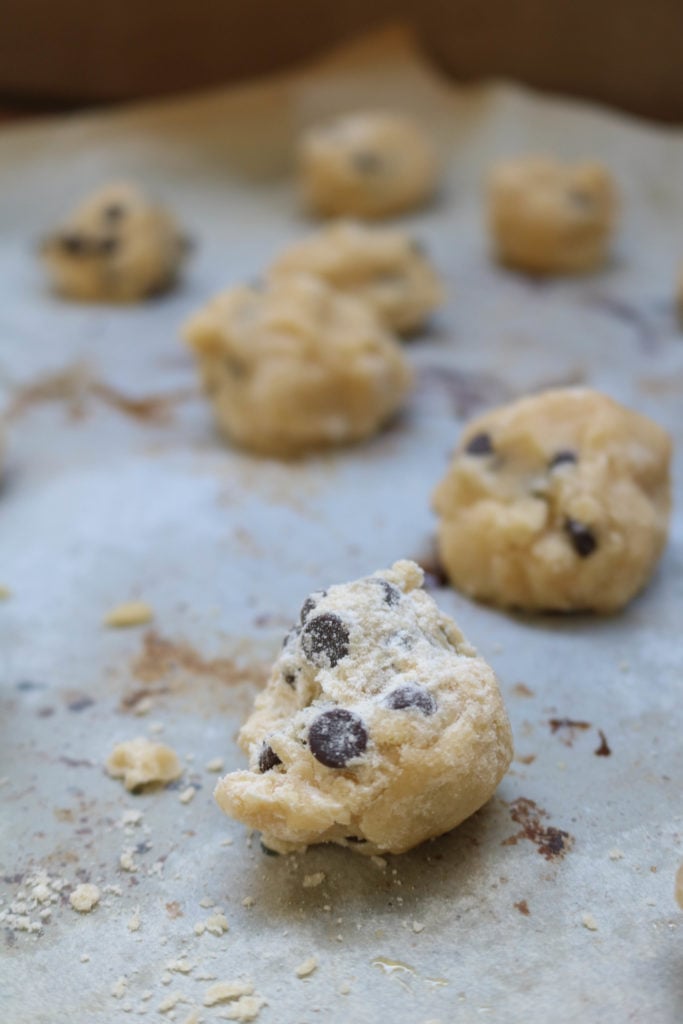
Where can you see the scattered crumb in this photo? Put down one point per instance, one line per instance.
(5, 592)
(85, 958)
(170, 1002)
(216, 764)
(223, 991)
(418, 927)
(131, 816)
(134, 923)
(245, 1008)
(130, 613)
(589, 922)
(181, 966)
(206, 903)
(247, 901)
(118, 989)
(84, 897)
(523, 907)
(226, 842)
(139, 762)
(166, 978)
(522, 690)
(379, 862)
(126, 860)
(143, 707)
(615, 854)
(306, 968)
(311, 881)
(156, 727)
(187, 795)
(216, 924)
(679, 887)
(344, 988)
(193, 1017)
(199, 928)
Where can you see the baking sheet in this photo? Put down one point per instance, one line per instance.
(105, 498)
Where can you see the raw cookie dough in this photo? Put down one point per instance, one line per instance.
(140, 761)
(379, 727)
(297, 365)
(556, 502)
(117, 246)
(367, 165)
(385, 267)
(551, 218)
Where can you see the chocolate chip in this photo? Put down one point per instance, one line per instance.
(410, 695)
(392, 595)
(290, 679)
(114, 212)
(336, 737)
(354, 839)
(480, 444)
(310, 603)
(267, 850)
(73, 243)
(367, 162)
(267, 758)
(325, 640)
(582, 537)
(559, 458)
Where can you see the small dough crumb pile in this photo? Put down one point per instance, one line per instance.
(379, 727)
(557, 502)
(140, 761)
(85, 897)
(383, 266)
(117, 246)
(297, 366)
(367, 165)
(546, 217)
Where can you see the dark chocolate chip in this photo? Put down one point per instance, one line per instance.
(582, 537)
(267, 850)
(114, 212)
(73, 243)
(325, 640)
(267, 758)
(367, 162)
(559, 458)
(354, 839)
(392, 595)
(310, 603)
(106, 246)
(410, 695)
(480, 444)
(290, 679)
(336, 737)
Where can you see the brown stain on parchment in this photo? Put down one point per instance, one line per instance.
(551, 842)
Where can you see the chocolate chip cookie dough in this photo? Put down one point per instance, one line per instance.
(367, 165)
(380, 726)
(297, 365)
(383, 266)
(117, 246)
(546, 217)
(557, 502)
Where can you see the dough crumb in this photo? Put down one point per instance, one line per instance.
(307, 967)
(181, 966)
(130, 613)
(5, 593)
(379, 862)
(246, 1008)
(126, 861)
(247, 901)
(170, 1002)
(140, 761)
(84, 897)
(216, 764)
(223, 991)
(418, 927)
(118, 989)
(344, 988)
(616, 854)
(131, 816)
(311, 881)
(216, 924)
(589, 922)
(143, 707)
(193, 1017)
(207, 903)
(85, 958)
(135, 922)
(187, 795)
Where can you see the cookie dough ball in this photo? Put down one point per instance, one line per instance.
(297, 366)
(557, 502)
(117, 246)
(546, 217)
(367, 165)
(379, 727)
(385, 267)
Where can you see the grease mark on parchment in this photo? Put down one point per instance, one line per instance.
(551, 842)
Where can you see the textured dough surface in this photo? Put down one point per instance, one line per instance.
(297, 365)
(378, 728)
(367, 165)
(557, 502)
(117, 246)
(140, 761)
(549, 217)
(384, 267)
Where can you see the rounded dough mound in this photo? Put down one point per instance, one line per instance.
(385, 267)
(379, 728)
(367, 165)
(546, 217)
(297, 366)
(558, 502)
(117, 246)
